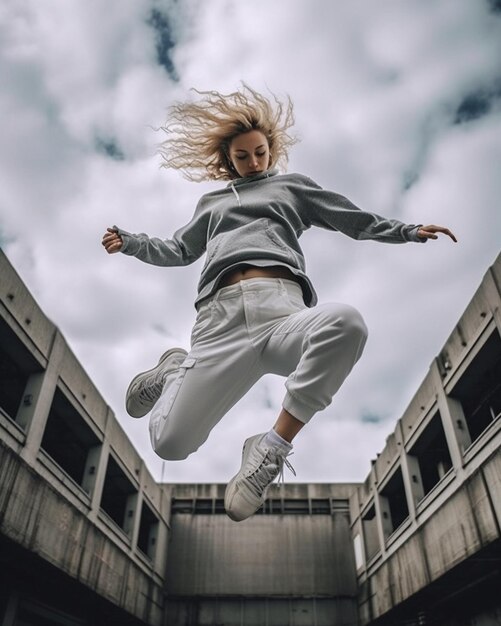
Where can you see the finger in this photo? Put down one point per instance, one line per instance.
(113, 249)
(110, 232)
(113, 243)
(445, 231)
(107, 239)
(431, 228)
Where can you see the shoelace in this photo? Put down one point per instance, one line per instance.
(266, 473)
(289, 467)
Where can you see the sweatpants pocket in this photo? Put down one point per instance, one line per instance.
(166, 401)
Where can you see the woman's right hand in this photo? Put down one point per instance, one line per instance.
(112, 241)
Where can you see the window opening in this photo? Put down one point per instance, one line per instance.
(67, 437)
(17, 364)
(393, 496)
(118, 493)
(479, 389)
(432, 453)
(148, 531)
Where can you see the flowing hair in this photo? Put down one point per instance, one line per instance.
(199, 133)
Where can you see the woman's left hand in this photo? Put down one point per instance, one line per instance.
(429, 232)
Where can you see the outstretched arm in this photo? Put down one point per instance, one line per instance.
(430, 232)
(327, 209)
(186, 245)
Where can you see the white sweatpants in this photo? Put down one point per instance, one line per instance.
(246, 330)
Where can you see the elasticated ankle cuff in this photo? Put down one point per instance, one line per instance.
(298, 409)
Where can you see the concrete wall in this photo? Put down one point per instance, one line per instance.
(49, 512)
(274, 568)
(34, 515)
(448, 526)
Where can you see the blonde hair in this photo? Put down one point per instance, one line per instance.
(200, 133)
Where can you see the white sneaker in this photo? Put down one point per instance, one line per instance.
(145, 388)
(261, 464)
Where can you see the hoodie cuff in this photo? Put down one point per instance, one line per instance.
(130, 243)
(413, 235)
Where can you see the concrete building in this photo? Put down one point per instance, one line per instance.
(426, 521)
(292, 563)
(83, 526)
(87, 537)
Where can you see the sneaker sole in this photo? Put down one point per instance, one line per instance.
(164, 356)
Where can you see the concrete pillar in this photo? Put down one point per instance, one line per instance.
(153, 533)
(91, 469)
(138, 507)
(442, 469)
(413, 483)
(453, 420)
(39, 394)
(154, 530)
(492, 292)
(384, 515)
(97, 458)
(411, 475)
(160, 558)
(31, 396)
(132, 516)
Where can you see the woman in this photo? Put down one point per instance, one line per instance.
(256, 310)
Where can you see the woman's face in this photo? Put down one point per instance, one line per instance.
(250, 153)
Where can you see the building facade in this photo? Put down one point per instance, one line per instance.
(87, 537)
(426, 521)
(83, 526)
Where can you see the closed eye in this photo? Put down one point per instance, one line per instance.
(258, 154)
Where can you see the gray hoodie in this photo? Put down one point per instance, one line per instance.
(258, 220)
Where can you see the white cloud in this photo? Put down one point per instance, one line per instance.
(375, 94)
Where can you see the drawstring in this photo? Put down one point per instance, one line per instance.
(236, 193)
(256, 177)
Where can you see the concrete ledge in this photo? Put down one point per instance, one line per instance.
(35, 516)
(464, 525)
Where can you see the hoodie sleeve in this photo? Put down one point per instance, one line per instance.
(186, 246)
(333, 211)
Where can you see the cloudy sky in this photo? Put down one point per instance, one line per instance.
(398, 107)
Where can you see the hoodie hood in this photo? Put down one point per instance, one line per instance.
(248, 179)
